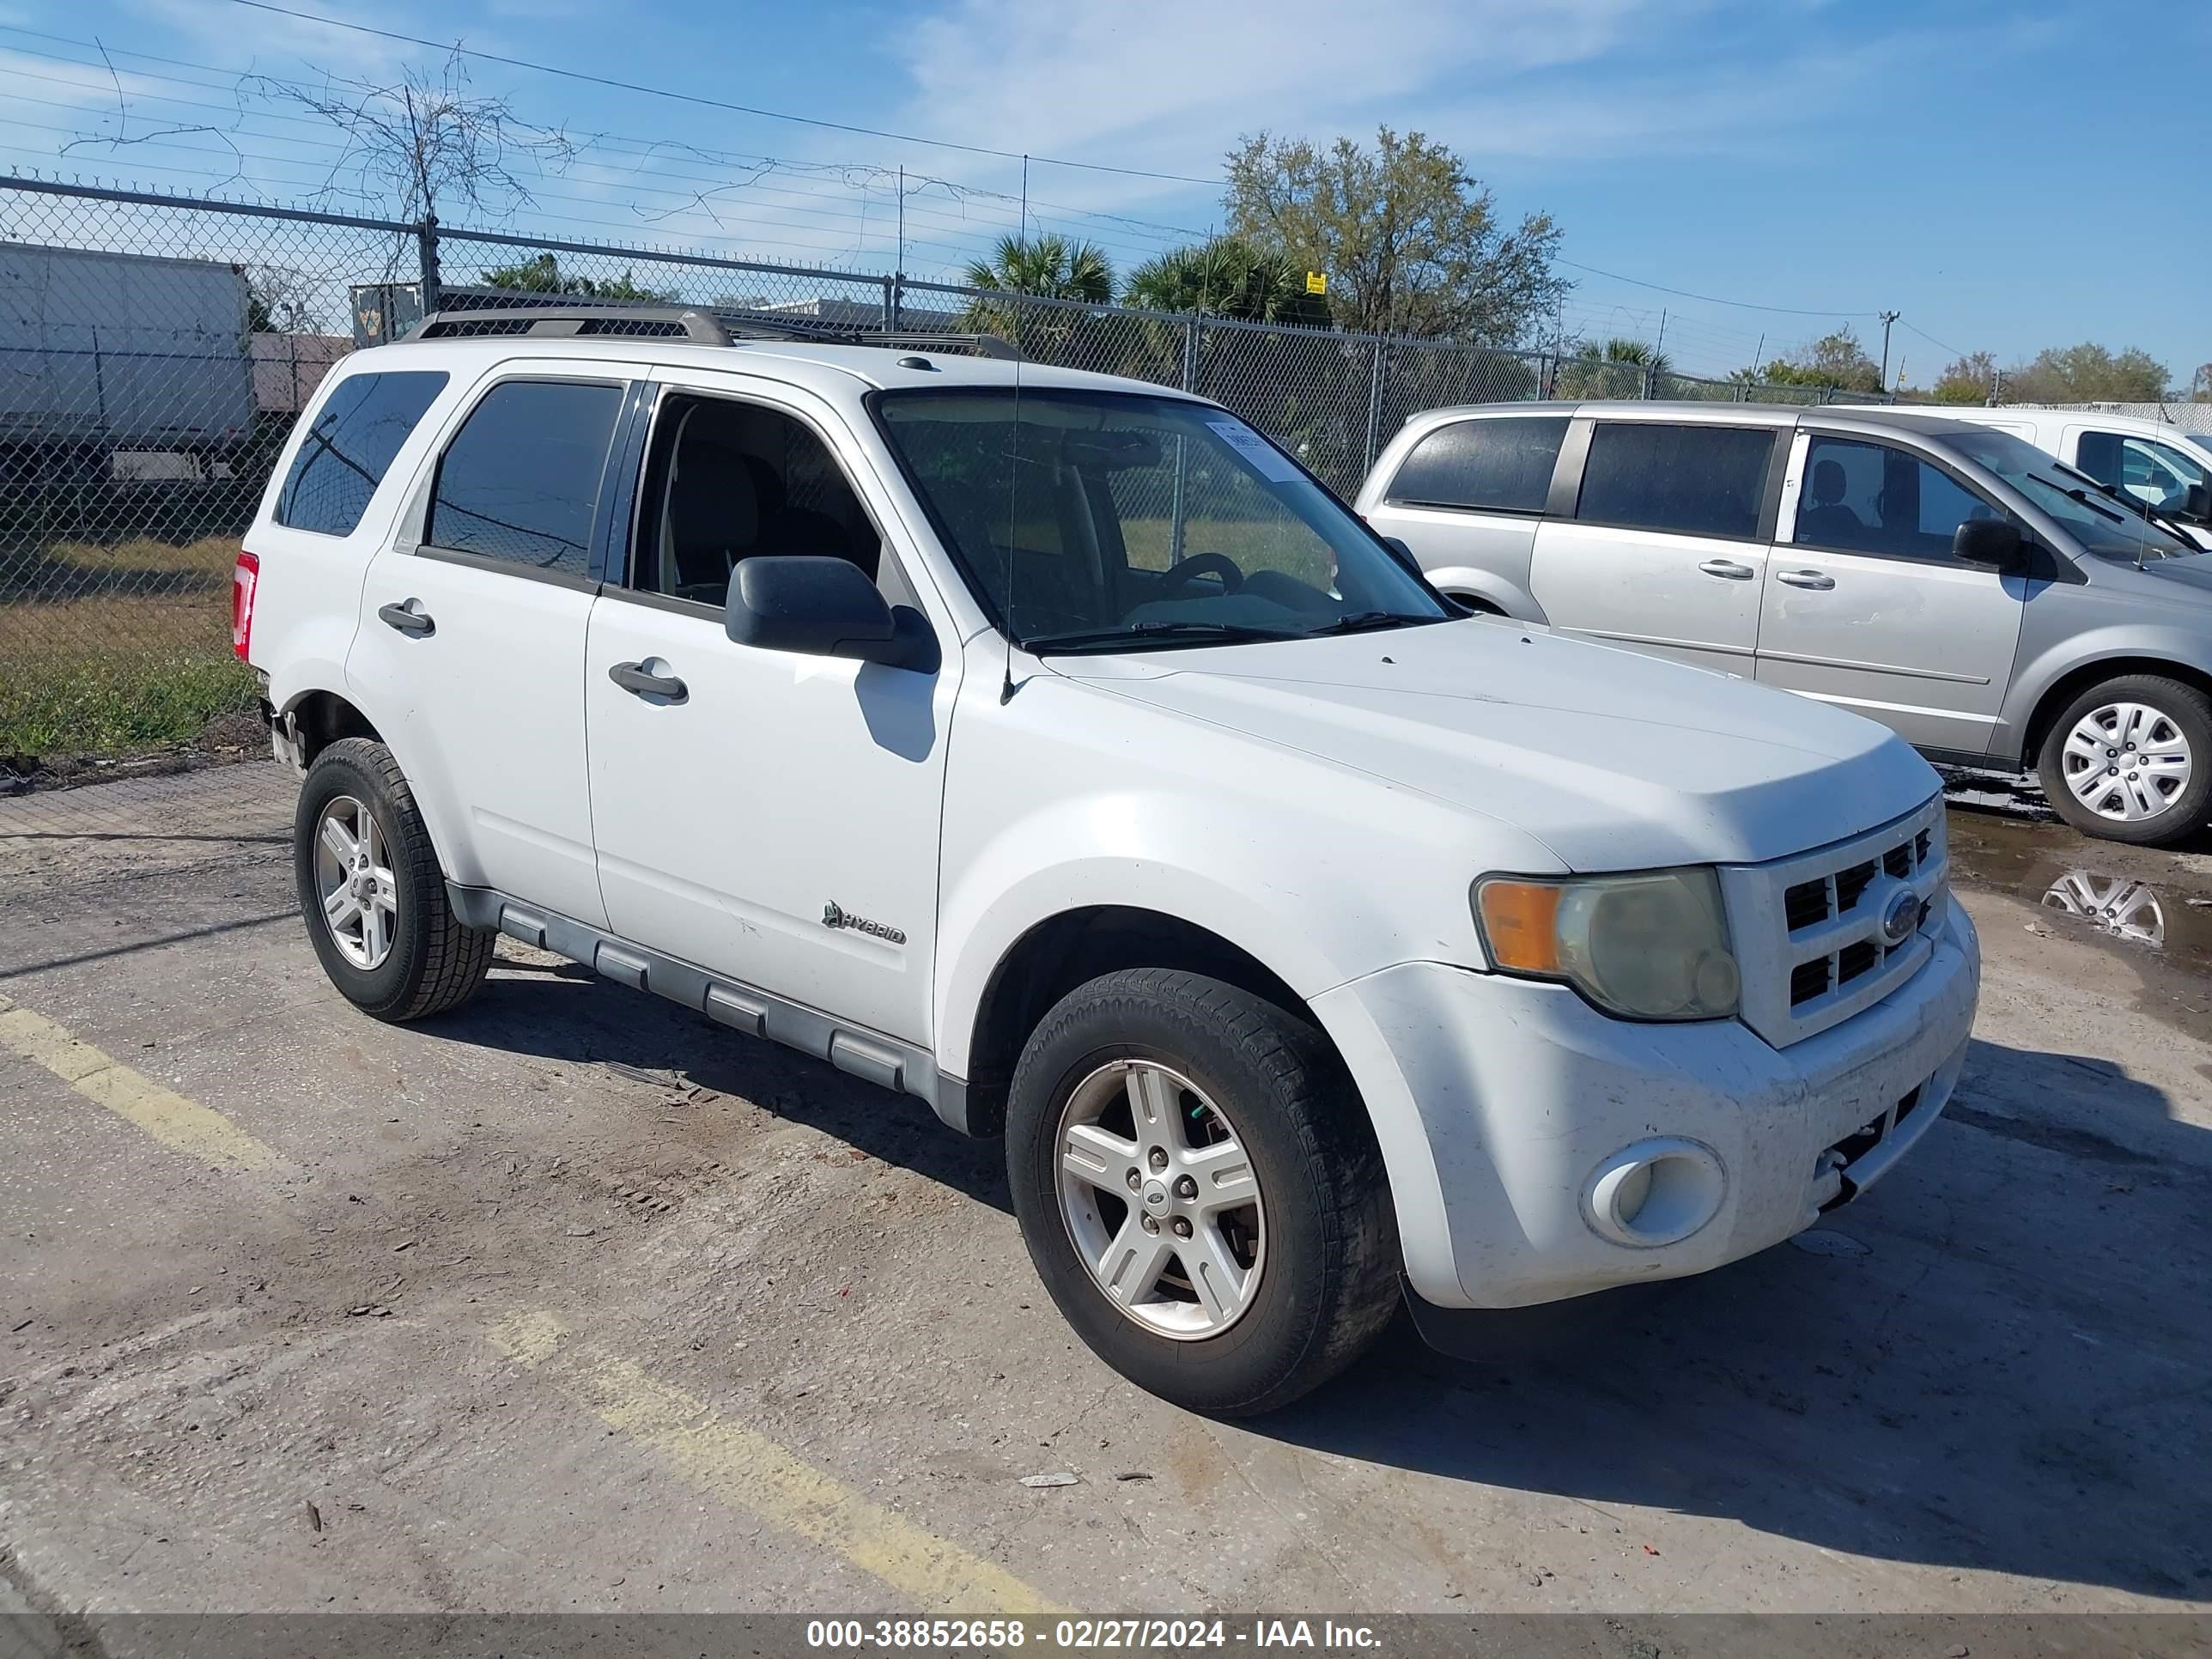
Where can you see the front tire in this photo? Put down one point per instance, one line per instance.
(1200, 1190)
(371, 891)
(2131, 760)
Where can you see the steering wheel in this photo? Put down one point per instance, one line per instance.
(1184, 572)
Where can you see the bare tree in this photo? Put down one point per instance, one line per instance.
(425, 143)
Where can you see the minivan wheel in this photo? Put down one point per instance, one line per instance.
(1200, 1190)
(2131, 760)
(373, 893)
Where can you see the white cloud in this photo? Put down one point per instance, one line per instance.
(1170, 86)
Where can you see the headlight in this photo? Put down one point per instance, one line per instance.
(1648, 947)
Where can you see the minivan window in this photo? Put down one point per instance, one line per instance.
(348, 450)
(2148, 470)
(1693, 480)
(2102, 526)
(1501, 465)
(1876, 498)
(520, 481)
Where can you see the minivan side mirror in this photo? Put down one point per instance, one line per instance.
(824, 607)
(1992, 542)
(2197, 503)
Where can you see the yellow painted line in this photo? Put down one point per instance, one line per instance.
(175, 1121)
(744, 1467)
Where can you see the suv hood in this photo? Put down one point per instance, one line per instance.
(1613, 760)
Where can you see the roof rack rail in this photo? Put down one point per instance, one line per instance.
(562, 320)
(693, 323)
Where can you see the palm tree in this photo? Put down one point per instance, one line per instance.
(1227, 277)
(1048, 267)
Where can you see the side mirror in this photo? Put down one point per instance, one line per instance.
(2197, 503)
(824, 607)
(1992, 542)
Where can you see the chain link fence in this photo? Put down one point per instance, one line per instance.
(154, 351)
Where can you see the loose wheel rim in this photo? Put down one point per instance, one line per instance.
(1160, 1199)
(353, 882)
(2127, 761)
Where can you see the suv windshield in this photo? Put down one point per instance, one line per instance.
(2106, 527)
(1104, 521)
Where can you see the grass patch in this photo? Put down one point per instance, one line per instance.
(116, 674)
(55, 705)
(210, 556)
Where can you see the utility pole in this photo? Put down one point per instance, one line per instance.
(1888, 317)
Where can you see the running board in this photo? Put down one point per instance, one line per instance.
(885, 1062)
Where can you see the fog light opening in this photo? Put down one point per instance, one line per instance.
(1655, 1193)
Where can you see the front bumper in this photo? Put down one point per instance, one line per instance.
(1499, 1101)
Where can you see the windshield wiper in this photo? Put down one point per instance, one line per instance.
(1153, 633)
(1362, 621)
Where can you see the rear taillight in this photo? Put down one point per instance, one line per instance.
(245, 577)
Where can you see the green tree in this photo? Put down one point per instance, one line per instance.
(1835, 360)
(2086, 374)
(1048, 267)
(1618, 368)
(1968, 381)
(1228, 276)
(1409, 239)
(543, 275)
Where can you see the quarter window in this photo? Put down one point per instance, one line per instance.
(520, 481)
(1692, 480)
(348, 450)
(1875, 498)
(1500, 466)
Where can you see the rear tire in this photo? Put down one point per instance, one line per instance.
(2131, 760)
(1229, 1310)
(371, 891)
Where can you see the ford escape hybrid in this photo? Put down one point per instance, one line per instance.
(1054, 749)
(1993, 605)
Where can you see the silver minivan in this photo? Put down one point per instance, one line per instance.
(1993, 605)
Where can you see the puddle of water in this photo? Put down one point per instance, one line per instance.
(2153, 907)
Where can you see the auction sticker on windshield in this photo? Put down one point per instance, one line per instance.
(1269, 462)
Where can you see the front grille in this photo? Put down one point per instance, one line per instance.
(1807, 929)
(1811, 979)
(1806, 904)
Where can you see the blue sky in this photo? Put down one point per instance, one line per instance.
(2007, 176)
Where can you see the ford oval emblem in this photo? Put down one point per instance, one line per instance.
(1899, 917)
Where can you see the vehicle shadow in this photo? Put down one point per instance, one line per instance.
(565, 1012)
(2004, 1339)
(1997, 1361)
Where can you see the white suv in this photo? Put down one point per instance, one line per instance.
(1051, 747)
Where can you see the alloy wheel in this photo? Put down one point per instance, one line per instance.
(1161, 1200)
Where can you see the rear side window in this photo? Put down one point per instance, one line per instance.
(346, 452)
(1502, 466)
(520, 481)
(1693, 480)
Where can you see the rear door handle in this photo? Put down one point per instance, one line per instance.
(1812, 578)
(632, 677)
(409, 617)
(1729, 568)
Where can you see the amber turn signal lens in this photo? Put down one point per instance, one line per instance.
(1520, 922)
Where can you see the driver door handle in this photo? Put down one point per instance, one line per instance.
(408, 617)
(1812, 578)
(632, 677)
(1728, 568)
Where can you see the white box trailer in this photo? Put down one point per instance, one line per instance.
(101, 352)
